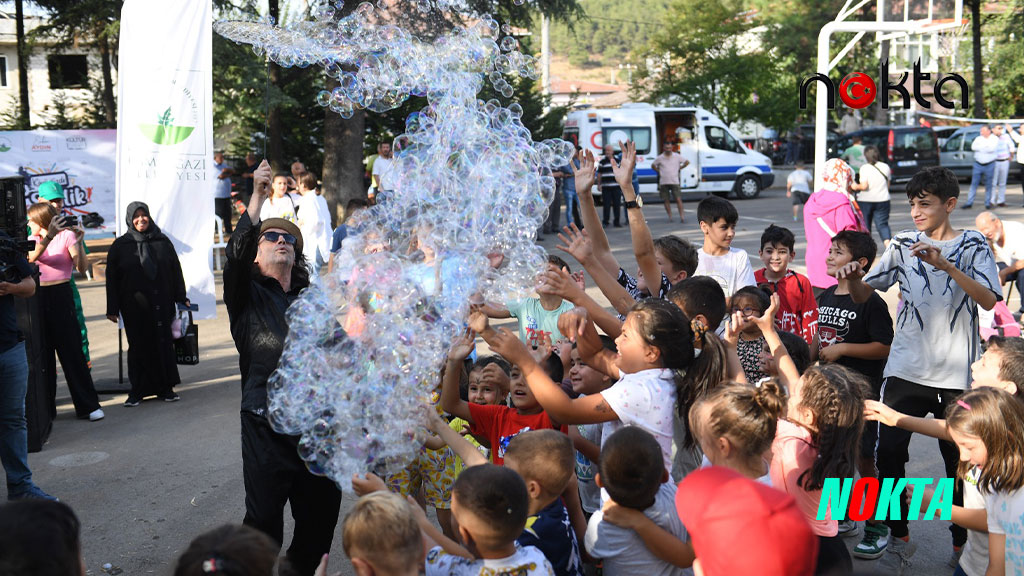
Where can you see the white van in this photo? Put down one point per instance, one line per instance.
(719, 163)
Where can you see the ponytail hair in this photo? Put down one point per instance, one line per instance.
(663, 325)
(709, 369)
(746, 414)
(835, 395)
(996, 418)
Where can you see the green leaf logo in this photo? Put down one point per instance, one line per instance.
(164, 132)
(4, 147)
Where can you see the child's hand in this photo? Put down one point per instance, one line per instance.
(621, 516)
(543, 349)
(495, 259)
(623, 171)
(434, 421)
(831, 353)
(564, 350)
(576, 242)
(493, 375)
(321, 570)
(573, 322)
(586, 173)
(369, 484)
(421, 516)
(878, 412)
(733, 326)
(558, 283)
(462, 344)
(477, 322)
(581, 280)
(766, 321)
(851, 271)
(507, 345)
(929, 255)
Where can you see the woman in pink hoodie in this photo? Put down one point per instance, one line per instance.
(829, 211)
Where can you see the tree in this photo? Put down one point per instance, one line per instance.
(979, 80)
(1004, 96)
(24, 121)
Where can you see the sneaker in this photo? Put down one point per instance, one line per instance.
(872, 545)
(132, 402)
(96, 414)
(33, 493)
(954, 558)
(848, 528)
(965, 207)
(171, 397)
(897, 557)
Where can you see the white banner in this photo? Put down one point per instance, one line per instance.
(82, 161)
(165, 135)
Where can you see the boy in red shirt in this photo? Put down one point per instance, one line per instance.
(798, 311)
(498, 424)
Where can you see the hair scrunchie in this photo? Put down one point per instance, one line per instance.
(699, 329)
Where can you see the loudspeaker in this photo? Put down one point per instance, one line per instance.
(12, 207)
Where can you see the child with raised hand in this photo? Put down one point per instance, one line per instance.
(729, 266)
(537, 317)
(570, 288)
(798, 311)
(654, 350)
(987, 425)
(497, 423)
(488, 385)
(797, 349)
(749, 303)
(944, 275)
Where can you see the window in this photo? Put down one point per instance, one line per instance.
(3, 71)
(640, 136)
(953, 144)
(68, 71)
(720, 139)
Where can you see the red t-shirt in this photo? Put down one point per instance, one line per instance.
(500, 424)
(798, 312)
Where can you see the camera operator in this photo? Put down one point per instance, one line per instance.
(57, 252)
(14, 375)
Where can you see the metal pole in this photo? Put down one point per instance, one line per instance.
(545, 54)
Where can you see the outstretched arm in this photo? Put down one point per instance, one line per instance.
(854, 273)
(462, 447)
(450, 400)
(584, 182)
(577, 327)
(878, 412)
(643, 243)
(561, 284)
(580, 246)
(659, 541)
(788, 373)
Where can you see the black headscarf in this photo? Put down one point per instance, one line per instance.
(143, 239)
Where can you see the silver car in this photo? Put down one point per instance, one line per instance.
(956, 154)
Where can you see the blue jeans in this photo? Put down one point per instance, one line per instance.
(571, 200)
(979, 171)
(877, 212)
(13, 429)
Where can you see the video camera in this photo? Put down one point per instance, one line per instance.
(10, 251)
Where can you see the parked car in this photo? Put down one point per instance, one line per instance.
(943, 133)
(956, 154)
(781, 142)
(906, 149)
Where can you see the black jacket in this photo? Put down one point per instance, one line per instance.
(256, 309)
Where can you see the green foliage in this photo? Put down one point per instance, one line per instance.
(1003, 95)
(608, 34)
(10, 119)
(59, 113)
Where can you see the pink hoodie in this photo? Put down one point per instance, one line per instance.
(826, 213)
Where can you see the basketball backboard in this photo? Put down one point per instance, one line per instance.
(930, 13)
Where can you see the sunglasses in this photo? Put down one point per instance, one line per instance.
(273, 237)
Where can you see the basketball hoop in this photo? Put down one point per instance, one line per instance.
(948, 37)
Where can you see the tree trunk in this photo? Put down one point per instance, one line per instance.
(979, 80)
(109, 104)
(274, 139)
(25, 118)
(343, 159)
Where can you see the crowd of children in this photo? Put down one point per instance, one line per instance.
(695, 435)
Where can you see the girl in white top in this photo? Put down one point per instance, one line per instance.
(873, 196)
(280, 203)
(314, 221)
(654, 350)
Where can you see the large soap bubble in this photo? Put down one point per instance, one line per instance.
(367, 343)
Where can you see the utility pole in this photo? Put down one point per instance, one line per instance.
(23, 109)
(545, 54)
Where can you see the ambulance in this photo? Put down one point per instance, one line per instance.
(719, 162)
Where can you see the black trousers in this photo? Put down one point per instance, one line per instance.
(611, 198)
(63, 336)
(893, 443)
(274, 474)
(833, 557)
(222, 207)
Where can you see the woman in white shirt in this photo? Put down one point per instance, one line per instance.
(280, 203)
(873, 196)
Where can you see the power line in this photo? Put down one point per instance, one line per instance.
(624, 21)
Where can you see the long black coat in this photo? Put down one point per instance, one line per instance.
(147, 308)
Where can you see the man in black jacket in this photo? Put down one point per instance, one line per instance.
(264, 274)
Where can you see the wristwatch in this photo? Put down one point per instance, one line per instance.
(638, 203)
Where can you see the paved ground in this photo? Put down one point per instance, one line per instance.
(146, 480)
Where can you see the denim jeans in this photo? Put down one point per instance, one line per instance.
(13, 429)
(978, 172)
(1000, 174)
(571, 201)
(877, 212)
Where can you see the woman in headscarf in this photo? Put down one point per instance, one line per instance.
(144, 282)
(829, 211)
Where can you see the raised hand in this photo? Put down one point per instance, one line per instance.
(581, 280)
(851, 271)
(929, 255)
(558, 283)
(573, 323)
(543, 349)
(766, 322)
(733, 326)
(576, 243)
(363, 485)
(478, 322)
(624, 170)
(586, 173)
(262, 178)
(506, 344)
(462, 345)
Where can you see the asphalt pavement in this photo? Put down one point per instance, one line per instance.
(146, 480)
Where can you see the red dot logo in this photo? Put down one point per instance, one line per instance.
(857, 90)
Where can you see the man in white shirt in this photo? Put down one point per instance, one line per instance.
(1007, 241)
(1004, 152)
(984, 148)
(798, 187)
(382, 169)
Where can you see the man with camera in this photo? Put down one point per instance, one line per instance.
(15, 282)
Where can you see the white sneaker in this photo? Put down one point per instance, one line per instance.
(96, 415)
(848, 528)
(897, 556)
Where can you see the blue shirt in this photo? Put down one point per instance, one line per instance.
(551, 532)
(223, 189)
(340, 233)
(569, 182)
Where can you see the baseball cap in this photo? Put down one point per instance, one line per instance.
(739, 526)
(286, 225)
(51, 190)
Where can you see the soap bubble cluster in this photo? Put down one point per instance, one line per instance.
(367, 343)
